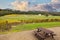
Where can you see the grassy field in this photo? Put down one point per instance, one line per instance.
(17, 18)
(35, 25)
(30, 26)
(25, 17)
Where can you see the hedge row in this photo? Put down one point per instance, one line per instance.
(39, 20)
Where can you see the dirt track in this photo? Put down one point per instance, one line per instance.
(27, 35)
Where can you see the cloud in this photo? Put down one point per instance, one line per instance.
(42, 7)
(24, 6)
(54, 0)
(20, 5)
(55, 5)
(52, 6)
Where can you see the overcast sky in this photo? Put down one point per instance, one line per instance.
(38, 5)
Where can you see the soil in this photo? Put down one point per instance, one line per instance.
(28, 35)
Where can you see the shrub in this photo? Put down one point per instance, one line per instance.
(5, 26)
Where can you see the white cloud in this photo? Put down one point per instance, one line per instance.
(55, 4)
(24, 5)
(54, 0)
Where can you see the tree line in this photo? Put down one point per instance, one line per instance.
(10, 11)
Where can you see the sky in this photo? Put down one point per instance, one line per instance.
(32, 5)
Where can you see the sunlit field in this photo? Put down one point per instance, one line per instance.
(33, 26)
(17, 18)
(29, 26)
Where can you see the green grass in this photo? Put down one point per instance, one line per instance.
(25, 17)
(25, 27)
(32, 26)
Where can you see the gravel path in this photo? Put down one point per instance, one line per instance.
(27, 35)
